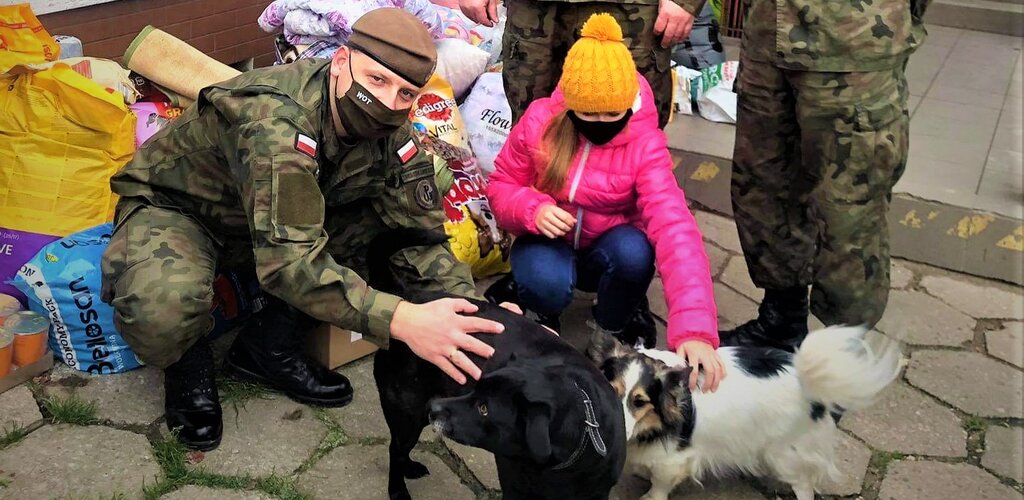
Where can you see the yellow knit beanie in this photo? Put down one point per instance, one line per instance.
(599, 75)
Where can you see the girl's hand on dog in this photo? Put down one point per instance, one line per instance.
(700, 355)
(552, 221)
(438, 332)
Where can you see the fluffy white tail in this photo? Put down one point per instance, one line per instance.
(838, 368)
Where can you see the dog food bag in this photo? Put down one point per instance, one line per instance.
(488, 119)
(474, 236)
(63, 283)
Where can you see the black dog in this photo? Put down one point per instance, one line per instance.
(551, 419)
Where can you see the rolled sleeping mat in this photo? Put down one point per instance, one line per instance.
(174, 64)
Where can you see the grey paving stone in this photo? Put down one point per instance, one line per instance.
(133, 398)
(362, 472)
(264, 437)
(904, 420)
(718, 230)
(733, 309)
(717, 258)
(916, 318)
(362, 418)
(976, 300)
(656, 298)
(926, 480)
(631, 487)
(900, 275)
(480, 462)
(63, 461)
(852, 459)
(736, 276)
(970, 381)
(191, 492)
(1003, 452)
(18, 409)
(1007, 343)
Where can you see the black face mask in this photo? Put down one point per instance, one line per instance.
(364, 116)
(600, 132)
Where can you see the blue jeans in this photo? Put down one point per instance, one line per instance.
(619, 266)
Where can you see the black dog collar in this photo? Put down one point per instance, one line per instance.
(591, 430)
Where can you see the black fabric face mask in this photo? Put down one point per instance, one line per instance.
(600, 132)
(363, 115)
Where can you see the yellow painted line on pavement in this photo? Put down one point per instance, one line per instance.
(911, 220)
(971, 226)
(1013, 241)
(706, 171)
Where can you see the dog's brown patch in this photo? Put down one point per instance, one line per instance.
(647, 419)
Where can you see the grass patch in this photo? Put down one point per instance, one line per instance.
(373, 441)
(12, 436)
(280, 487)
(172, 456)
(885, 458)
(335, 437)
(5, 483)
(72, 410)
(974, 424)
(236, 392)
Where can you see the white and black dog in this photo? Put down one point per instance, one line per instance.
(774, 414)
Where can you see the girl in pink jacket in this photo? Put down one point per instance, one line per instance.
(585, 181)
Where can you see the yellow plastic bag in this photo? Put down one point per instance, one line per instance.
(23, 38)
(61, 138)
(473, 233)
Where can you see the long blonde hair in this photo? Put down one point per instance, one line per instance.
(558, 148)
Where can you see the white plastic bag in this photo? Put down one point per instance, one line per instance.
(682, 97)
(460, 64)
(488, 119)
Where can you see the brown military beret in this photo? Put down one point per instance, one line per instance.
(398, 41)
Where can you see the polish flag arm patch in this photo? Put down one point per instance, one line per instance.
(405, 153)
(306, 145)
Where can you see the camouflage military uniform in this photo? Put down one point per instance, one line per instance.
(234, 180)
(821, 139)
(539, 33)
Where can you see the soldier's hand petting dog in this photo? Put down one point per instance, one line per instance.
(439, 333)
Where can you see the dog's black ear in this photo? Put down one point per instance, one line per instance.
(538, 432)
(604, 346)
(676, 376)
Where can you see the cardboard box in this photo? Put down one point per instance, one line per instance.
(333, 346)
(20, 375)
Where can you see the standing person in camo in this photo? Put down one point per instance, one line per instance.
(291, 170)
(539, 33)
(821, 139)
(585, 181)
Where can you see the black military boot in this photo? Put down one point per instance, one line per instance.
(190, 399)
(781, 322)
(503, 290)
(269, 350)
(641, 329)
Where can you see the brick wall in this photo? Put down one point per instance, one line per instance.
(224, 29)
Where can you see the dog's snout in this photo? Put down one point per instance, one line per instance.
(437, 411)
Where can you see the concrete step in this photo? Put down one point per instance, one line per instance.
(1005, 17)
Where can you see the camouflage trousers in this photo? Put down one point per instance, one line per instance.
(815, 161)
(159, 267)
(538, 35)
